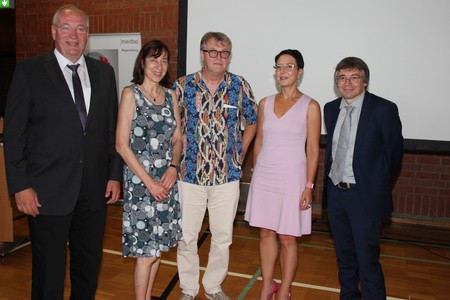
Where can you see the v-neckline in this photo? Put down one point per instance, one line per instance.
(281, 117)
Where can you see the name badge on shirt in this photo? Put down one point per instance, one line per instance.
(229, 106)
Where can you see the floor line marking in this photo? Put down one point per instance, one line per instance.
(252, 278)
(249, 285)
(305, 245)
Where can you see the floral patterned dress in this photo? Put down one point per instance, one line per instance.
(149, 226)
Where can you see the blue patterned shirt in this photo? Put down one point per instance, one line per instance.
(211, 127)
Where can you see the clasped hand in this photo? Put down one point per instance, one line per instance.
(160, 191)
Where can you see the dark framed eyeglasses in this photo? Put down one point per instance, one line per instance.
(213, 53)
(352, 79)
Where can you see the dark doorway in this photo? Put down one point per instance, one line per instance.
(7, 53)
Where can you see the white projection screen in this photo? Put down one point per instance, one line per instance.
(406, 44)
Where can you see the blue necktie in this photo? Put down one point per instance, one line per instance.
(78, 94)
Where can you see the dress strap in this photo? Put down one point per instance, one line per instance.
(269, 105)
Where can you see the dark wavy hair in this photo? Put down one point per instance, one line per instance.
(295, 54)
(155, 49)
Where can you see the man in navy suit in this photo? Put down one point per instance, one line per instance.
(359, 176)
(61, 162)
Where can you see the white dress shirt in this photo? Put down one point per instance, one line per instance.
(82, 72)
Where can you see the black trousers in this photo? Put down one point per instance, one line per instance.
(83, 229)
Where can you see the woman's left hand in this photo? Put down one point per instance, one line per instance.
(306, 199)
(169, 178)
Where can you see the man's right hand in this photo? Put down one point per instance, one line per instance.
(27, 202)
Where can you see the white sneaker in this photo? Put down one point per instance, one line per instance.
(186, 297)
(217, 296)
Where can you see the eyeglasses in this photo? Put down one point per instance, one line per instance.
(213, 53)
(285, 67)
(353, 79)
(66, 29)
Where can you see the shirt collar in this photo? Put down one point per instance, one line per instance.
(356, 103)
(199, 79)
(63, 62)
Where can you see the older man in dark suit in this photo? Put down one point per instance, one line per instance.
(362, 160)
(60, 156)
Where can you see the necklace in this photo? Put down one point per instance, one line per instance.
(147, 93)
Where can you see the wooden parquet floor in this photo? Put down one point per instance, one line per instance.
(416, 262)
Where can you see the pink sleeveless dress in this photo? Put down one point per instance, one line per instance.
(279, 176)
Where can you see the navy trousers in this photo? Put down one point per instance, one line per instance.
(356, 234)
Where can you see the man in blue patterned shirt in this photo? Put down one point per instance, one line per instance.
(214, 104)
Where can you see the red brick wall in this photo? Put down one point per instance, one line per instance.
(423, 189)
(421, 192)
(154, 19)
(424, 186)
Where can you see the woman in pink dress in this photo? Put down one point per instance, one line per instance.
(285, 154)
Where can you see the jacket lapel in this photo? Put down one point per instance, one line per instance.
(93, 77)
(364, 120)
(55, 74)
(333, 117)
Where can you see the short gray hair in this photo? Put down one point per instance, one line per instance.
(218, 36)
(72, 8)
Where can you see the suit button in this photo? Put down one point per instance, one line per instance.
(81, 161)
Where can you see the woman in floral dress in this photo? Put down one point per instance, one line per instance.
(148, 138)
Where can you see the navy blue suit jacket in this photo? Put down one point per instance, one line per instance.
(45, 146)
(377, 155)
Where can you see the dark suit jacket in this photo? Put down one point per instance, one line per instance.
(45, 145)
(377, 155)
